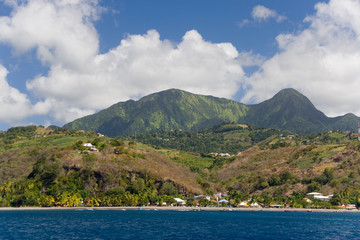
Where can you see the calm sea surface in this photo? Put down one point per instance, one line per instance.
(116, 224)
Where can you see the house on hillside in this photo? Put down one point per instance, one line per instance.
(90, 147)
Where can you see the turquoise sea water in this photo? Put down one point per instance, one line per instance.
(117, 224)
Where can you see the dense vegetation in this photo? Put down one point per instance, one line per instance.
(167, 110)
(178, 110)
(43, 167)
(224, 138)
(52, 167)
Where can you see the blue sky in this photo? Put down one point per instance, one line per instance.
(61, 60)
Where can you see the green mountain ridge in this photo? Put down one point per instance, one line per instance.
(289, 110)
(180, 110)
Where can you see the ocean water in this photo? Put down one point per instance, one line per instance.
(141, 224)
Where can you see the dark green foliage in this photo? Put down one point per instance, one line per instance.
(137, 186)
(167, 110)
(190, 202)
(313, 186)
(223, 138)
(79, 145)
(287, 177)
(167, 188)
(27, 131)
(116, 142)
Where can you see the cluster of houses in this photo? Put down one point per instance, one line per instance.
(220, 154)
(321, 197)
(219, 200)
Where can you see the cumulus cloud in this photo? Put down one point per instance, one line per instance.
(14, 104)
(140, 65)
(261, 13)
(81, 81)
(61, 31)
(322, 61)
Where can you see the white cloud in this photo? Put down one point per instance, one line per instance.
(322, 61)
(243, 23)
(14, 104)
(140, 65)
(61, 31)
(81, 81)
(262, 13)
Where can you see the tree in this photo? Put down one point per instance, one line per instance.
(137, 186)
(168, 188)
(266, 200)
(204, 202)
(313, 186)
(46, 200)
(190, 202)
(131, 199)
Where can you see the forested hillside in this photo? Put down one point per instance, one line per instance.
(223, 138)
(57, 167)
(179, 110)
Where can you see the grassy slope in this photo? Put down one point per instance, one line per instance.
(18, 158)
(277, 165)
(254, 169)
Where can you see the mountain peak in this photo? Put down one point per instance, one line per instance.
(288, 109)
(177, 109)
(290, 92)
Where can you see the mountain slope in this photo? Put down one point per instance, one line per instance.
(37, 164)
(348, 122)
(175, 109)
(288, 110)
(167, 110)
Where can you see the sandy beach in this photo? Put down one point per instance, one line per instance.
(169, 208)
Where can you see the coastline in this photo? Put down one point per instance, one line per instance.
(169, 208)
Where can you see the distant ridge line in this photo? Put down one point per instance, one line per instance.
(176, 109)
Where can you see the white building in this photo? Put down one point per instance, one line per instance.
(319, 196)
(180, 201)
(90, 147)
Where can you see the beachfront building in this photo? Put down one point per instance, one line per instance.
(244, 204)
(179, 201)
(202, 197)
(248, 204)
(350, 207)
(319, 196)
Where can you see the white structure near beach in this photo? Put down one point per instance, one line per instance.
(319, 196)
(180, 201)
(248, 204)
